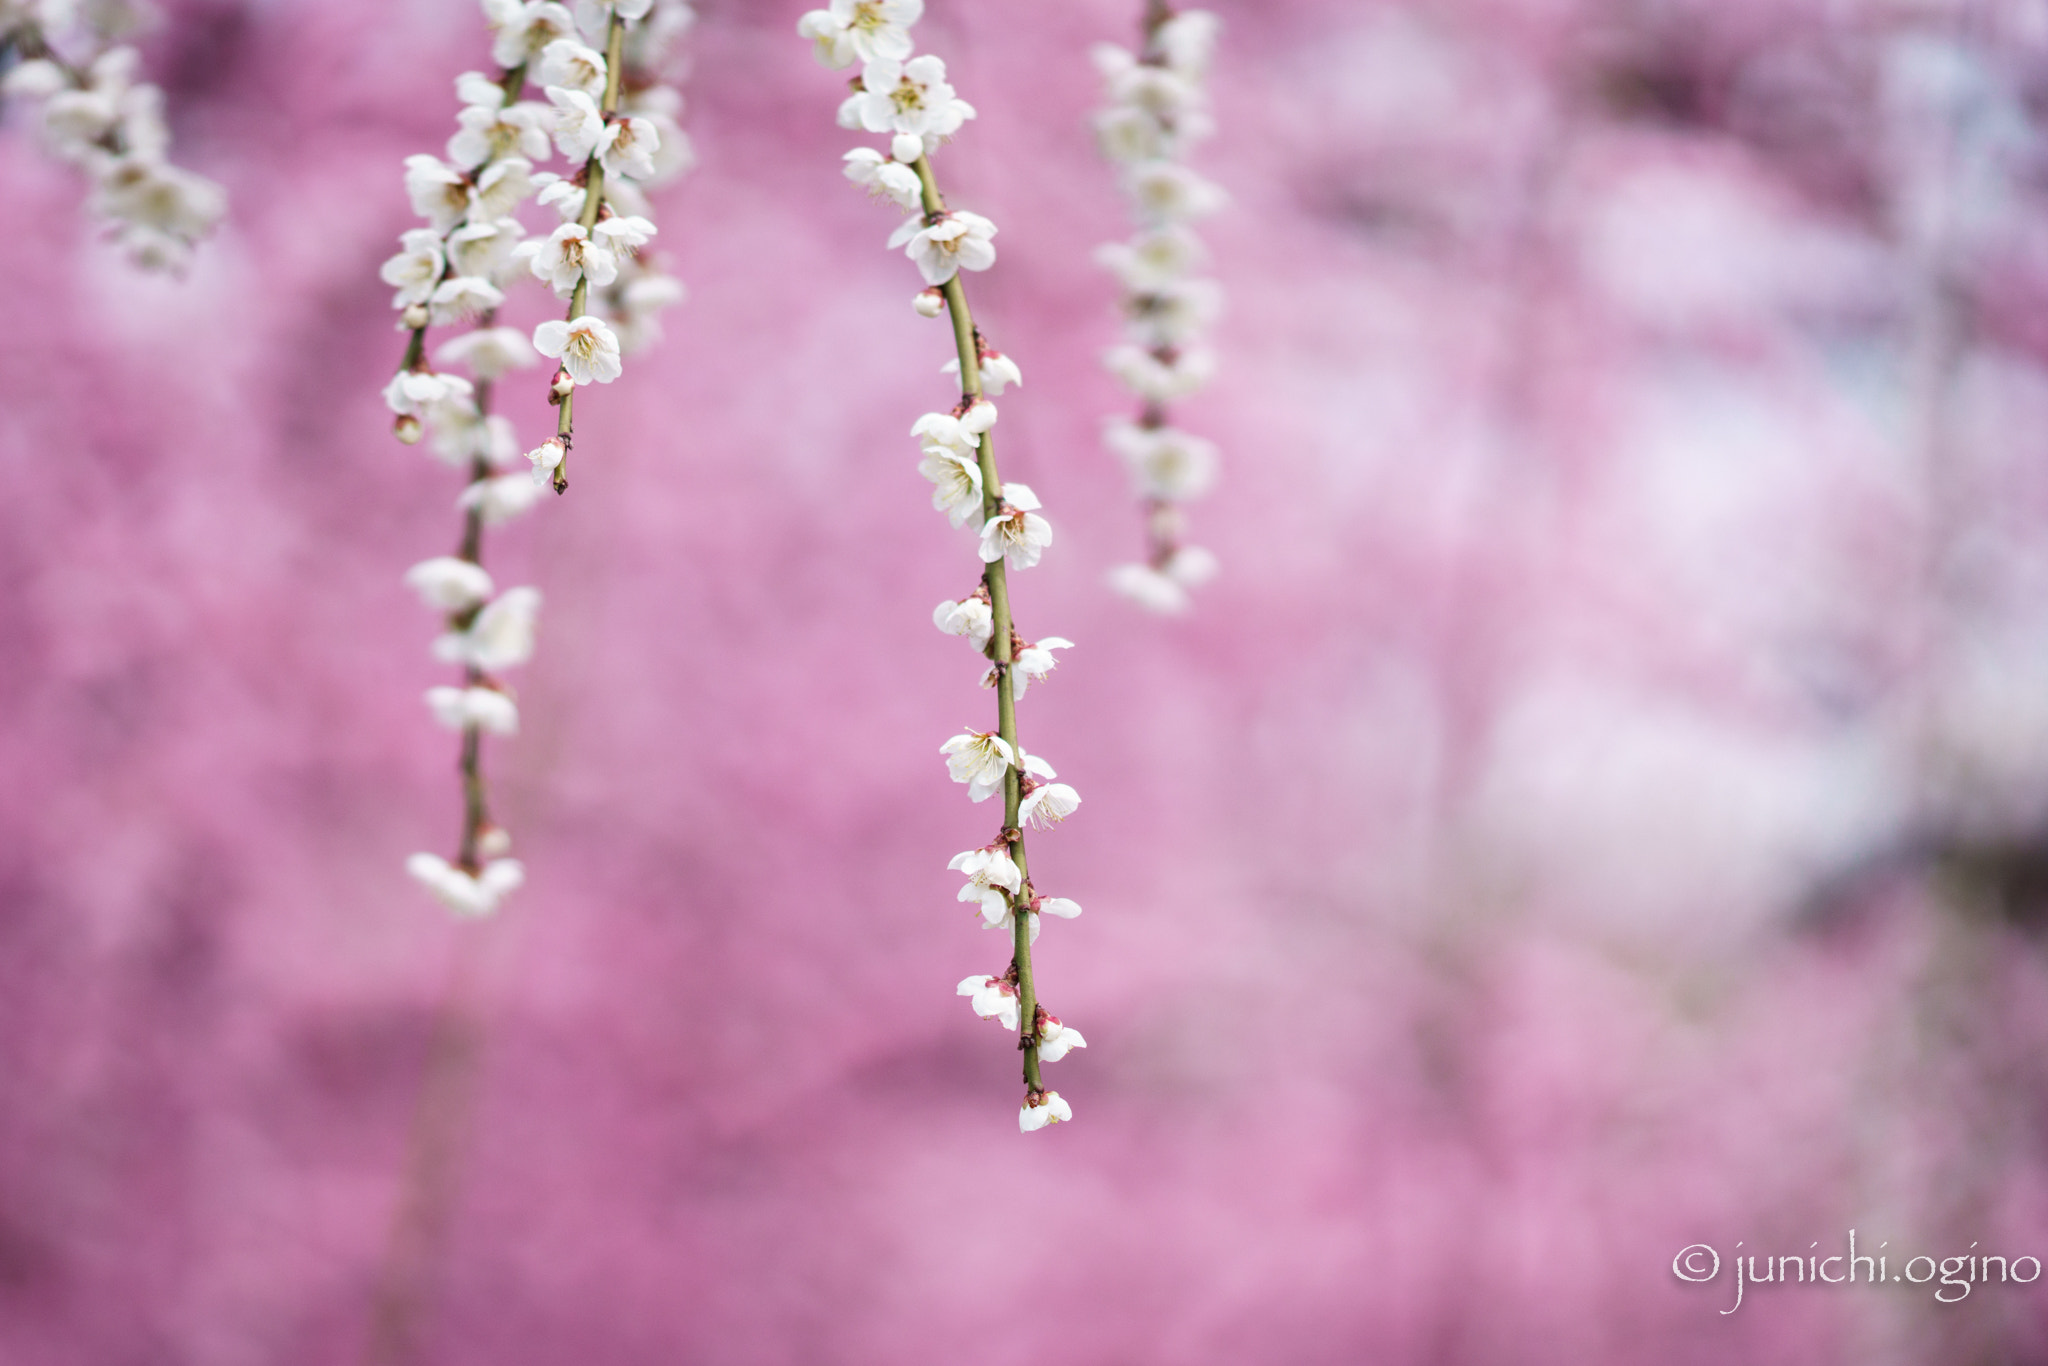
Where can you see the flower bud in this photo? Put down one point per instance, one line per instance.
(493, 841)
(414, 317)
(406, 429)
(929, 304)
(562, 387)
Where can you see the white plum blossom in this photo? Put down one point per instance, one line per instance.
(956, 483)
(588, 349)
(474, 708)
(462, 297)
(1156, 378)
(852, 31)
(1168, 192)
(566, 256)
(449, 584)
(997, 372)
(417, 267)
(1034, 662)
(469, 895)
(438, 192)
(989, 866)
(412, 392)
(1016, 534)
(488, 351)
(500, 188)
(910, 98)
(546, 457)
(579, 123)
(878, 174)
(992, 998)
(572, 66)
(499, 498)
(960, 434)
(1046, 805)
(1164, 462)
(1056, 1040)
(957, 241)
(529, 30)
(565, 197)
(981, 759)
(485, 133)
(1050, 1108)
(483, 248)
(501, 637)
(623, 235)
(968, 617)
(628, 147)
(1154, 259)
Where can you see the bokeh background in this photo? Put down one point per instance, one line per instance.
(1601, 807)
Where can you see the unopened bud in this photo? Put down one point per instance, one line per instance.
(414, 317)
(493, 841)
(929, 304)
(406, 429)
(563, 386)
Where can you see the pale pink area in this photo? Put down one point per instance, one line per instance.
(1561, 834)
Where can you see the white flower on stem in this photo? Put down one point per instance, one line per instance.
(501, 637)
(438, 191)
(526, 34)
(35, 79)
(488, 351)
(592, 16)
(500, 498)
(1056, 1040)
(487, 132)
(1153, 260)
(968, 617)
(572, 66)
(861, 30)
(1158, 380)
(1060, 906)
(988, 866)
(1126, 135)
(483, 247)
(463, 436)
(588, 349)
(566, 256)
(463, 297)
(929, 303)
(1047, 1107)
(546, 457)
(958, 241)
(1046, 805)
(565, 197)
(879, 175)
(997, 372)
(956, 483)
(448, 584)
(637, 307)
(911, 98)
(1016, 534)
(623, 235)
(628, 148)
(1174, 312)
(500, 188)
(1032, 663)
(412, 393)
(1149, 589)
(1164, 462)
(959, 434)
(417, 267)
(981, 759)
(1186, 41)
(474, 896)
(473, 87)
(1168, 192)
(1166, 96)
(992, 998)
(481, 708)
(579, 124)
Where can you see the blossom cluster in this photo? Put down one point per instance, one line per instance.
(907, 100)
(92, 112)
(1157, 110)
(614, 124)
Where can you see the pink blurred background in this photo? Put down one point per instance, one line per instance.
(1602, 806)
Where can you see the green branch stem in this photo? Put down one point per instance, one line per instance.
(593, 205)
(995, 578)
